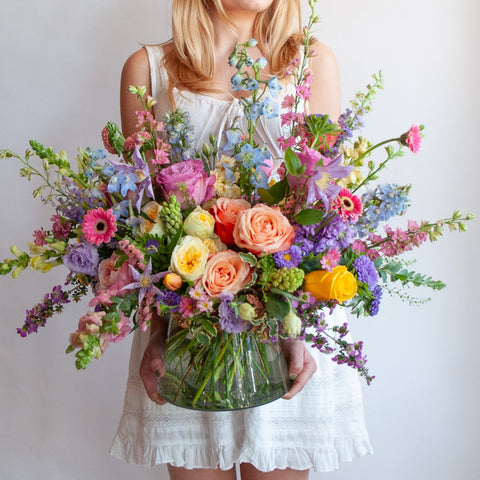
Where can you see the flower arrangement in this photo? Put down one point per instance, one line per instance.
(233, 245)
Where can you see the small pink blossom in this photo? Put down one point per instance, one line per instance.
(60, 228)
(124, 329)
(187, 307)
(358, 246)
(330, 260)
(39, 237)
(288, 102)
(304, 91)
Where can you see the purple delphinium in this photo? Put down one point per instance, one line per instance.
(288, 258)
(375, 304)
(229, 322)
(366, 271)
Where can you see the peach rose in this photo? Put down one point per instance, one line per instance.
(226, 272)
(225, 213)
(339, 284)
(263, 229)
(109, 276)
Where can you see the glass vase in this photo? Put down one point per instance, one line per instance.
(224, 371)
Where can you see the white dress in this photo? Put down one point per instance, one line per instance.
(320, 427)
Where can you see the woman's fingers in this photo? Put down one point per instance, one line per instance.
(301, 367)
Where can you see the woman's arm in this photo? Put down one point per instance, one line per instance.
(326, 83)
(136, 72)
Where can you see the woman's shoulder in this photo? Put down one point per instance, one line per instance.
(326, 81)
(136, 69)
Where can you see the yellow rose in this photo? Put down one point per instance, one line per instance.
(189, 258)
(214, 244)
(339, 284)
(152, 210)
(199, 223)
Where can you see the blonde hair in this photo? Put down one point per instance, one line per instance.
(190, 60)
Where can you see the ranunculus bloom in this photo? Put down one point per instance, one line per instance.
(225, 212)
(189, 258)
(263, 229)
(226, 272)
(199, 223)
(109, 276)
(82, 258)
(188, 182)
(339, 284)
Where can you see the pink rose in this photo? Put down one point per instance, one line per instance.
(109, 276)
(225, 212)
(263, 229)
(188, 182)
(226, 272)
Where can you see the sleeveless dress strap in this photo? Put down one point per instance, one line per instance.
(158, 79)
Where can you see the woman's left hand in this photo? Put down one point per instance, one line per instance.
(301, 365)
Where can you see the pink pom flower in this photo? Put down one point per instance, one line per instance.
(99, 226)
(412, 139)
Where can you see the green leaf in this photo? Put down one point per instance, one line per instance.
(275, 194)
(203, 338)
(277, 307)
(209, 328)
(292, 162)
(249, 258)
(309, 216)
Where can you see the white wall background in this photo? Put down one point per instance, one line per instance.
(59, 76)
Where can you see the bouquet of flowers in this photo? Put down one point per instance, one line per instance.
(240, 251)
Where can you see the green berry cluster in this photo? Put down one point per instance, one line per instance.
(171, 216)
(287, 279)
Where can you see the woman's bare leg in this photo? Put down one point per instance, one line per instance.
(249, 472)
(179, 473)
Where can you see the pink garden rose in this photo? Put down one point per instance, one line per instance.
(225, 212)
(263, 229)
(226, 272)
(109, 276)
(188, 182)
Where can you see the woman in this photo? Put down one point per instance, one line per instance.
(312, 427)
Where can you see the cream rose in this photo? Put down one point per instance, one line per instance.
(263, 229)
(189, 258)
(226, 272)
(199, 223)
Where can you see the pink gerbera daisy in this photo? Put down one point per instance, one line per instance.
(412, 139)
(99, 226)
(347, 205)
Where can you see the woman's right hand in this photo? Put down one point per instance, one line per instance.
(152, 367)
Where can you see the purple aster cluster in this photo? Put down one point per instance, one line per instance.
(366, 271)
(171, 299)
(375, 303)
(228, 320)
(288, 258)
(37, 317)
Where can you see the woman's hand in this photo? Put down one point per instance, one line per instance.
(152, 367)
(301, 365)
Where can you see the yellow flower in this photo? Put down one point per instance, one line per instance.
(214, 244)
(292, 324)
(199, 223)
(339, 284)
(189, 258)
(40, 264)
(152, 210)
(35, 249)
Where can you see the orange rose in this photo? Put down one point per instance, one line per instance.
(263, 229)
(226, 272)
(225, 212)
(339, 284)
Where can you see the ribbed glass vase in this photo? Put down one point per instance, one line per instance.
(230, 371)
